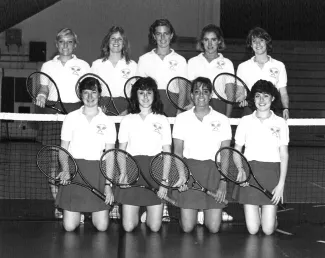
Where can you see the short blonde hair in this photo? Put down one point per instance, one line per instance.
(66, 32)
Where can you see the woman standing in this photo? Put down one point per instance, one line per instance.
(115, 66)
(162, 63)
(210, 62)
(197, 135)
(263, 66)
(144, 132)
(82, 137)
(265, 137)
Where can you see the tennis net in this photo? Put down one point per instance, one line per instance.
(25, 193)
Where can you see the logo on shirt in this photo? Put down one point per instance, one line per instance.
(101, 128)
(215, 125)
(275, 131)
(173, 65)
(274, 72)
(220, 64)
(126, 73)
(75, 70)
(157, 127)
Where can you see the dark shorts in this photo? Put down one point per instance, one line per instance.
(138, 196)
(207, 174)
(267, 174)
(79, 199)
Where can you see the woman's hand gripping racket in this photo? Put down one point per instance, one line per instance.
(179, 93)
(57, 164)
(44, 91)
(169, 170)
(233, 165)
(106, 102)
(230, 88)
(128, 86)
(121, 169)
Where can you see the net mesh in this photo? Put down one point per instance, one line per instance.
(25, 192)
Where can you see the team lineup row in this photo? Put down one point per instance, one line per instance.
(162, 64)
(197, 134)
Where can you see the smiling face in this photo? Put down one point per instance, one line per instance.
(66, 45)
(263, 101)
(90, 98)
(201, 95)
(163, 36)
(145, 98)
(259, 46)
(116, 43)
(210, 43)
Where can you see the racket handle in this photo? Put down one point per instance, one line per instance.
(213, 195)
(171, 201)
(99, 194)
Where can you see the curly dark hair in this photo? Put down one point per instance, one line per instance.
(157, 23)
(105, 51)
(263, 86)
(216, 30)
(201, 81)
(146, 83)
(258, 32)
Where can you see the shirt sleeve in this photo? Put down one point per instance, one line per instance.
(191, 70)
(282, 77)
(284, 134)
(226, 130)
(240, 135)
(110, 132)
(178, 129)
(141, 69)
(123, 134)
(166, 133)
(183, 70)
(67, 128)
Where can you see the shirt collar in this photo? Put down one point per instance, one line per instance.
(270, 118)
(270, 59)
(100, 113)
(171, 52)
(56, 58)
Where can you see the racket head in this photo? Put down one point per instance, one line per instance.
(230, 88)
(166, 169)
(52, 159)
(41, 83)
(179, 92)
(229, 162)
(119, 167)
(105, 102)
(128, 86)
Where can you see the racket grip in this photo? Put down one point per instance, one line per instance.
(171, 201)
(99, 194)
(213, 195)
(270, 195)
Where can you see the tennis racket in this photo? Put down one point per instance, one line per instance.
(231, 162)
(230, 88)
(167, 168)
(121, 169)
(41, 84)
(52, 160)
(106, 102)
(179, 93)
(128, 86)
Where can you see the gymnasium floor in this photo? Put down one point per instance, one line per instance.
(48, 239)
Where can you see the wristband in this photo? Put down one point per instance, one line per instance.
(110, 184)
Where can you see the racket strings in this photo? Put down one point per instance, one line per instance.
(52, 161)
(119, 168)
(39, 83)
(167, 169)
(230, 88)
(233, 165)
(179, 92)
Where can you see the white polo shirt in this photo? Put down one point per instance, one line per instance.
(151, 65)
(87, 140)
(262, 139)
(273, 71)
(66, 76)
(199, 66)
(145, 137)
(115, 77)
(203, 139)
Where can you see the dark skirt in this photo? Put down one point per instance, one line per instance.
(138, 196)
(169, 109)
(267, 174)
(207, 174)
(79, 199)
(218, 105)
